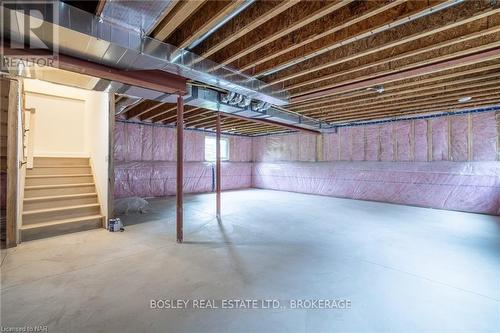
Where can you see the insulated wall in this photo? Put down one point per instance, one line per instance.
(145, 161)
(447, 162)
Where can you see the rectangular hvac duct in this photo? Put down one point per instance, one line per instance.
(85, 36)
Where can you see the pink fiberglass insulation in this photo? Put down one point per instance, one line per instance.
(307, 147)
(358, 143)
(284, 147)
(439, 139)
(194, 146)
(287, 147)
(484, 136)
(464, 186)
(119, 144)
(418, 162)
(163, 144)
(258, 145)
(156, 179)
(371, 143)
(403, 144)
(134, 145)
(147, 143)
(240, 149)
(458, 139)
(386, 142)
(145, 161)
(345, 143)
(236, 175)
(142, 142)
(331, 147)
(421, 150)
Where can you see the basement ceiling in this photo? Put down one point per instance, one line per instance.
(196, 118)
(342, 61)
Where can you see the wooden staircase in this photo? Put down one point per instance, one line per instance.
(59, 197)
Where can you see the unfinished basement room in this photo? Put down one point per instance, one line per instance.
(250, 166)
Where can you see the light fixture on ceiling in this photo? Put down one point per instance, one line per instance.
(464, 99)
(379, 89)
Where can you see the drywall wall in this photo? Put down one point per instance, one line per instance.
(59, 115)
(448, 162)
(96, 142)
(58, 127)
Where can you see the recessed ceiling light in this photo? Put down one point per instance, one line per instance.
(464, 99)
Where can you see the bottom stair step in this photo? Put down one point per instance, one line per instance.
(60, 227)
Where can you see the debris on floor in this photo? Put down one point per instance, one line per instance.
(115, 225)
(132, 204)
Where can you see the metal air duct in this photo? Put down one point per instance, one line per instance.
(85, 36)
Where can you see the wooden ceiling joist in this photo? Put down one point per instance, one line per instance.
(395, 14)
(100, 7)
(350, 14)
(410, 83)
(158, 111)
(207, 16)
(491, 90)
(412, 112)
(455, 17)
(200, 122)
(198, 115)
(288, 21)
(461, 85)
(384, 63)
(443, 102)
(141, 108)
(188, 112)
(454, 63)
(225, 124)
(251, 18)
(182, 11)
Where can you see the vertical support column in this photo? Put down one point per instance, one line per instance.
(180, 168)
(111, 158)
(217, 167)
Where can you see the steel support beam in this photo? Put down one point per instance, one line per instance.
(217, 167)
(150, 79)
(272, 123)
(180, 169)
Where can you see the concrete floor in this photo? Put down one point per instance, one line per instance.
(404, 269)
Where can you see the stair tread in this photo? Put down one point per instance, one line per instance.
(61, 158)
(57, 186)
(66, 196)
(60, 176)
(61, 166)
(37, 211)
(62, 221)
